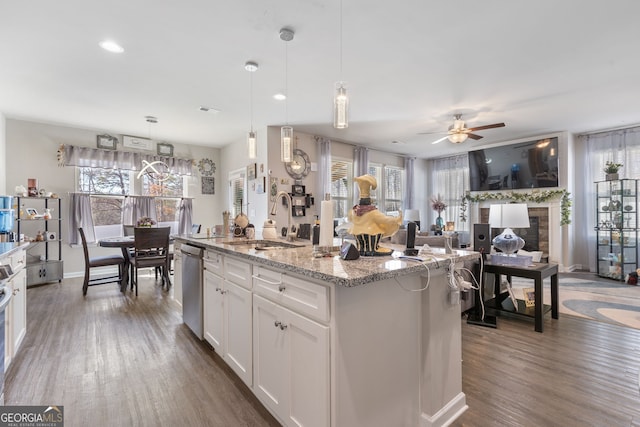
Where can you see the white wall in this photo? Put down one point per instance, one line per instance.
(31, 153)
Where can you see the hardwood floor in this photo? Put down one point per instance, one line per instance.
(577, 373)
(121, 360)
(115, 360)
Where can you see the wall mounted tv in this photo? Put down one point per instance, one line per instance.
(532, 164)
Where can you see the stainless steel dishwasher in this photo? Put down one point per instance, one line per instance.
(192, 288)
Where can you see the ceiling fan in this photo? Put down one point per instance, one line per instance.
(458, 133)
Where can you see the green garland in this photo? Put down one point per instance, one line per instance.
(543, 196)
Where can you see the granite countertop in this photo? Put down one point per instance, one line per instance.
(7, 248)
(333, 269)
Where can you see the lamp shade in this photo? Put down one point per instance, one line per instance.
(412, 215)
(512, 215)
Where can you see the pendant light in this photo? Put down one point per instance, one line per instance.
(286, 132)
(340, 99)
(252, 141)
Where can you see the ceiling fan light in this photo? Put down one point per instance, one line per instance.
(457, 138)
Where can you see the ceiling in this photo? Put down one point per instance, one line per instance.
(409, 65)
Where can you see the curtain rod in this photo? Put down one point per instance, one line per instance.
(129, 195)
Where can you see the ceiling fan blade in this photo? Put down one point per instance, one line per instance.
(495, 125)
(440, 140)
(431, 133)
(474, 136)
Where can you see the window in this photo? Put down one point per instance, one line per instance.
(341, 179)
(109, 186)
(388, 195)
(237, 185)
(451, 181)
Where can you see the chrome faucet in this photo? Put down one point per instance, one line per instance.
(274, 210)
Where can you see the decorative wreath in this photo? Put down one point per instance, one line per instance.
(206, 167)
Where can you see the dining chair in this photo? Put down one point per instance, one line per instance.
(99, 261)
(127, 230)
(151, 247)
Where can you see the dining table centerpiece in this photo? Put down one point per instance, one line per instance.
(145, 221)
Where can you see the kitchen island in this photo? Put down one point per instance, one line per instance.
(328, 342)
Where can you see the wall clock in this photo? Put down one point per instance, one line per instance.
(206, 167)
(299, 167)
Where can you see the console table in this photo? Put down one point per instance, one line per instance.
(538, 272)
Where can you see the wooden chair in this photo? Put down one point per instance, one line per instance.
(151, 249)
(100, 261)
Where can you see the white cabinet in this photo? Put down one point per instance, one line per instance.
(291, 364)
(16, 310)
(227, 313)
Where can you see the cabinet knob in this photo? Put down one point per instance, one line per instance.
(15, 291)
(223, 292)
(218, 289)
(281, 288)
(283, 326)
(277, 323)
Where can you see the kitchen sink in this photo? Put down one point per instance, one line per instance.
(264, 244)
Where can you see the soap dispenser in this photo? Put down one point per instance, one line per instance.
(315, 238)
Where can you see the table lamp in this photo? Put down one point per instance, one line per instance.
(507, 216)
(412, 215)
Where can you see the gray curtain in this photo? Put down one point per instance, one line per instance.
(361, 161)
(185, 216)
(98, 158)
(80, 216)
(409, 198)
(138, 206)
(324, 167)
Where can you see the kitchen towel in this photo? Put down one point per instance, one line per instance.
(326, 223)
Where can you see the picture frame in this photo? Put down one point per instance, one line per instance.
(137, 142)
(31, 212)
(298, 190)
(107, 142)
(164, 149)
(298, 211)
(262, 183)
(273, 188)
(208, 185)
(251, 171)
(529, 297)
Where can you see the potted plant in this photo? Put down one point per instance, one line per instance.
(611, 169)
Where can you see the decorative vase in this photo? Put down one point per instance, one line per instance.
(439, 222)
(612, 176)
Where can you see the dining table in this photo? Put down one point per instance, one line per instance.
(125, 243)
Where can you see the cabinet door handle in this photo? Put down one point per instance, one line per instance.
(283, 326)
(281, 288)
(15, 291)
(277, 323)
(218, 289)
(266, 281)
(223, 292)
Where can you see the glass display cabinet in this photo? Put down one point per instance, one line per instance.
(617, 228)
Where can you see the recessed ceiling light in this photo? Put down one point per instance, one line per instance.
(280, 96)
(208, 109)
(111, 46)
(397, 142)
(151, 119)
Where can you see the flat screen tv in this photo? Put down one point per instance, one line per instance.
(532, 164)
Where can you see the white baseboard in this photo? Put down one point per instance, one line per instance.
(447, 414)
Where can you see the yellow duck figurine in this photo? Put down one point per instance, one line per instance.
(369, 225)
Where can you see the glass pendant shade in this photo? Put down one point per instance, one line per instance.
(341, 108)
(286, 144)
(509, 215)
(252, 145)
(457, 138)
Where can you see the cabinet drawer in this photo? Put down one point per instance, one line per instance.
(44, 272)
(301, 296)
(18, 260)
(213, 262)
(238, 272)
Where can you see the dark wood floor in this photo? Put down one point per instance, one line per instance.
(117, 360)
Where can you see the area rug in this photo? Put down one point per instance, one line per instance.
(602, 300)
